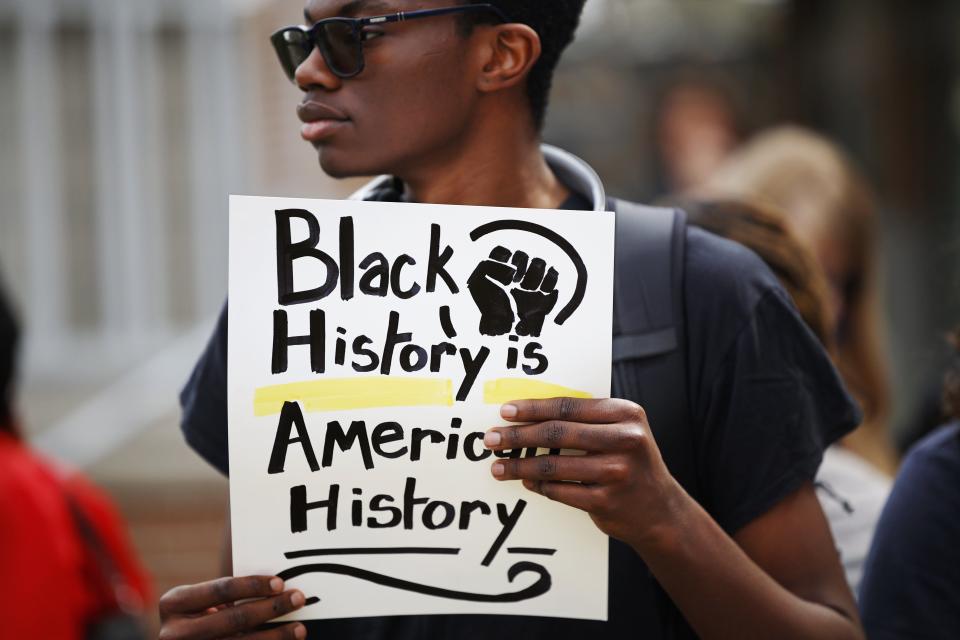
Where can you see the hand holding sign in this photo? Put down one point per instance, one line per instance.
(503, 276)
(622, 482)
(211, 609)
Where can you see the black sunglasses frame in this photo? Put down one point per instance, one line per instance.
(315, 36)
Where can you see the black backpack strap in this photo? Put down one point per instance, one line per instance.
(649, 342)
(648, 280)
(650, 360)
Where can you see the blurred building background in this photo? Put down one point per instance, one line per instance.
(124, 125)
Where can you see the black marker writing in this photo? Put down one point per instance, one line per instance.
(397, 349)
(409, 511)
(379, 276)
(538, 588)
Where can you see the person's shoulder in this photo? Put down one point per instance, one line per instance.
(909, 580)
(935, 457)
(918, 496)
(722, 266)
(725, 266)
(724, 286)
(724, 281)
(23, 470)
(31, 491)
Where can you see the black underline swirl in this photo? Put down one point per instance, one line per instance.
(538, 588)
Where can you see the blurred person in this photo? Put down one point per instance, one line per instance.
(66, 569)
(911, 585)
(450, 107)
(852, 492)
(831, 208)
(696, 128)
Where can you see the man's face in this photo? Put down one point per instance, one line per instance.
(407, 109)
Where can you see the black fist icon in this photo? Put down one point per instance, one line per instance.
(507, 276)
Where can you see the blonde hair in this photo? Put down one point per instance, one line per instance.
(810, 179)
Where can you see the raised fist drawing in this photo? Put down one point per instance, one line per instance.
(507, 276)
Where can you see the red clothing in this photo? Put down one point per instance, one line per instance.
(50, 585)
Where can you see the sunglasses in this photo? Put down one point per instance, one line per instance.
(340, 40)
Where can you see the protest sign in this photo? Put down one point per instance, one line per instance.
(370, 347)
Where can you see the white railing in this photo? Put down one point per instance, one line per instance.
(140, 273)
(131, 122)
(115, 126)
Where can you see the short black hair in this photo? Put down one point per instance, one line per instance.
(9, 337)
(556, 22)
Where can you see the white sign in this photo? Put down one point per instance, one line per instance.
(371, 345)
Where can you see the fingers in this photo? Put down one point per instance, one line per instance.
(557, 434)
(549, 283)
(195, 598)
(502, 273)
(534, 276)
(595, 411)
(500, 254)
(572, 494)
(589, 469)
(505, 266)
(287, 632)
(238, 619)
(519, 261)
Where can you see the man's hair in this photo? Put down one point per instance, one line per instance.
(8, 356)
(555, 22)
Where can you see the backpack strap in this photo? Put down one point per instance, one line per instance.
(648, 280)
(650, 356)
(649, 342)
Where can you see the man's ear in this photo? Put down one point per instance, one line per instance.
(508, 53)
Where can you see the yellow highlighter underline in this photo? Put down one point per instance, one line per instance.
(334, 394)
(504, 390)
(354, 393)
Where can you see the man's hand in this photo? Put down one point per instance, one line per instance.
(209, 610)
(772, 586)
(621, 482)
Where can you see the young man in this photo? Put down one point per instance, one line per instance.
(450, 103)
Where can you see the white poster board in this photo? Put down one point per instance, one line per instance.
(370, 347)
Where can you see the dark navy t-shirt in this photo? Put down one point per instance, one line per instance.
(911, 580)
(764, 398)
